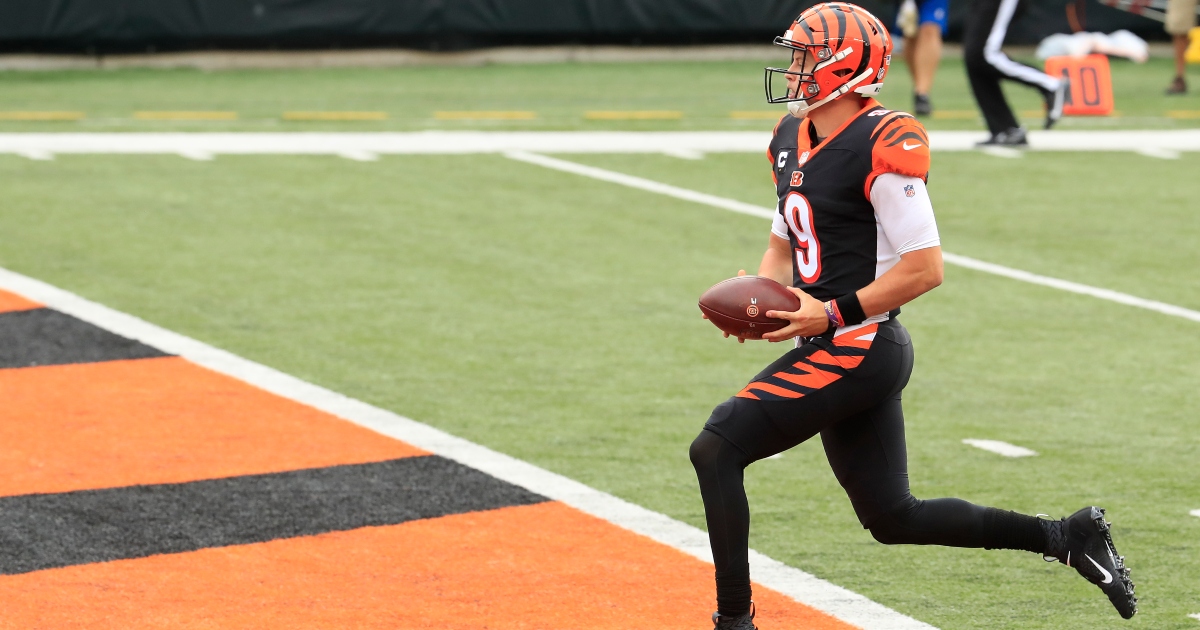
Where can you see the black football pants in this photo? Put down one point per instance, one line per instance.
(987, 65)
(848, 390)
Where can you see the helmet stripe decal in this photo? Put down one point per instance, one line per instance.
(841, 24)
(802, 22)
(824, 24)
(865, 62)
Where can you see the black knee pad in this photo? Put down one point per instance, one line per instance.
(745, 425)
(892, 527)
(710, 452)
(703, 450)
(886, 530)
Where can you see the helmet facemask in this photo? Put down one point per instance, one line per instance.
(847, 50)
(810, 56)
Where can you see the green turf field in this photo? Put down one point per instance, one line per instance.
(553, 96)
(553, 318)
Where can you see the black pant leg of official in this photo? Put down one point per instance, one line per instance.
(985, 78)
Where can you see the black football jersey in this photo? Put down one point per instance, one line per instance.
(824, 193)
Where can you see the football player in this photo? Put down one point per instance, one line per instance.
(855, 239)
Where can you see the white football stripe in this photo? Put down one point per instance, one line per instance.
(767, 213)
(642, 184)
(1195, 616)
(803, 587)
(1162, 154)
(678, 143)
(1195, 513)
(1073, 287)
(1003, 152)
(1001, 448)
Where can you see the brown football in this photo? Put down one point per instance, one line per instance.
(739, 305)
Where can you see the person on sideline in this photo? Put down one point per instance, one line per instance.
(922, 24)
(987, 65)
(1181, 18)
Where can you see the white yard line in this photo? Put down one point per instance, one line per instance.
(803, 587)
(767, 213)
(1195, 513)
(1003, 152)
(688, 144)
(643, 184)
(1001, 448)
(1073, 287)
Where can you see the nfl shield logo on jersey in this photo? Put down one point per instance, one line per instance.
(909, 191)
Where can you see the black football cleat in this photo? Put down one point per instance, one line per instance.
(1054, 102)
(1014, 137)
(922, 105)
(741, 622)
(1086, 545)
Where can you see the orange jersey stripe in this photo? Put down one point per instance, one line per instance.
(852, 340)
(847, 362)
(770, 389)
(812, 378)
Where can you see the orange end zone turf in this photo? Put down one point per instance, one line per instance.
(164, 420)
(13, 302)
(541, 566)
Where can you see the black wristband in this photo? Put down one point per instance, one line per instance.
(851, 310)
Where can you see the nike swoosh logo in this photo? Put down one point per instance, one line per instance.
(908, 148)
(1107, 575)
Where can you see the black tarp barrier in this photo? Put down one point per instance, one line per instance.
(132, 25)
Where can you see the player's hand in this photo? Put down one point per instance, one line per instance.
(809, 321)
(741, 272)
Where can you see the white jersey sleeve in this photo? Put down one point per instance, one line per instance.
(904, 213)
(779, 226)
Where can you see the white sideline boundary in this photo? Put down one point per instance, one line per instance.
(1000, 448)
(800, 586)
(767, 213)
(363, 145)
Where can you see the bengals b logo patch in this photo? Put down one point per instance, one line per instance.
(797, 178)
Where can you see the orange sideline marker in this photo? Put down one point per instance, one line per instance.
(1091, 84)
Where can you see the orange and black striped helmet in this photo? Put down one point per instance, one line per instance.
(843, 48)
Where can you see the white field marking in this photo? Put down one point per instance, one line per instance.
(199, 156)
(1195, 513)
(35, 154)
(803, 587)
(1195, 616)
(360, 156)
(644, 184)
(1001, 448)
(465, 142)
(775, 456)
(767, 213)
(684, 154)
(1162, 154)
(1073, 287)
(1003, 152)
